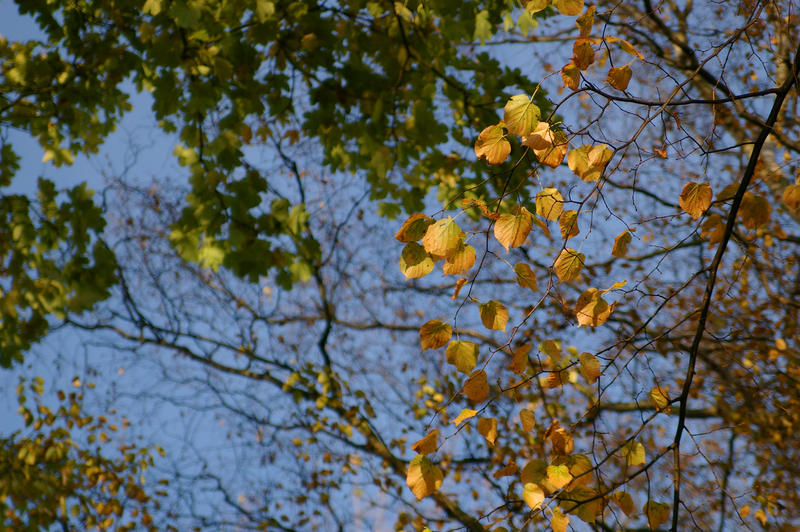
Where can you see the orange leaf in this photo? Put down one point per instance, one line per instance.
(571, 76)
(476, 388)
(427, 444)
(434, 334)
(487, 427)
(619, 77)
(695, 199)
(492, 145)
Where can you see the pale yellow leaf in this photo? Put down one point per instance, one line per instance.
(533, 496)
(521, 115)
(558, 476)
(634, 454)
(465, 414)
(423, 477)
(443, 238)
(559, 522)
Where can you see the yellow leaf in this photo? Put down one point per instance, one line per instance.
(660, 397)
(460, 261)
(583, 53)
(434, 334)
(590, 367)
(511, 230)
(427, 444)
(586, 21)
(657, 513)
(528, 420)
(754, 210)
(462, 354)
(477, 387)
(568, 222)
(534, 6)
(443, 238)
(621, 243)
(633, 451)
(568, 265)
(519, 358)
(533, 496)
(460, 283)
(548, 145)
(571, 76)
(591, 309)
(558, 476)
(492, 145)
(525, 276)
(559, 522)
(563, 443)
(549, 203)
(487, 427)
(423, 477)
(626, 46)
(521, 115)
(468, 202)
(619, 77)
(570, 8)
(744, 511)
(624, 501)
(415, 261)
(761, 516)
(507, 471)
(583, 502)
(791, 196)
(695, 199)
(494, 315)
(465, 414)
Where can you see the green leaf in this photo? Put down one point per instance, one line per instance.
(483, 28)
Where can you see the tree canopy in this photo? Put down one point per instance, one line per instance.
(428, 265)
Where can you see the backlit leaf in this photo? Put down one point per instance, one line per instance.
(492, 145)
(465, 414)
(413, 228)
(487, 427)
(583, 53)
(570, 8)
(527, 419)
(591, 309)
(494, 315)
(624, 500)
(549, 203)
(506, 471)
(558, 476)
(415, 261)
(791, 196)
(568, 265)
(633, 451)
(460, 261)
(459, 284)
(525, 276)
(521, 115)
(512, 229)
(625, 45)
(423, 477)
(586, 21)
(568, 222)
(621, 243)
(443, 238)
(660, 397)
(532, 495)
(619, 77)
(695, 199)
(559, 522)
(657, 513)
(477, 386)
(462, 354)
(549, 146)
(428, 444)
(583, 502)
(534, 6)
(590, 367)
(434, 334)
(571, 76)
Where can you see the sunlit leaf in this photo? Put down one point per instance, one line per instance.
(506, 471)
(549, 203)
(413, 228)
(621, 244)
(492, 145)
(487, 427)
(423, 477)
(657, 513)
(549, 146)
(586, 21)
(511, 230)
(591, 309)
(460, 261)
(569, 8)
(625, 45)
(459, 284)
(428, 444)
(590, 367)
(533, 496)
(571, 76)
(624, 500)
(521, 115)
(534, 6)
(695, 199)
(494, 315)
(660, 397)
(525, 276)
(558, 476)
(434, 334)
(415, 261)
(634, 454)
(568, 222)
(462, 354)
(619, 77)
(568, 265)
(527, 419)
(476, 388)
(583, 53)
(443, 238)
(559, 522)
(465, 414)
